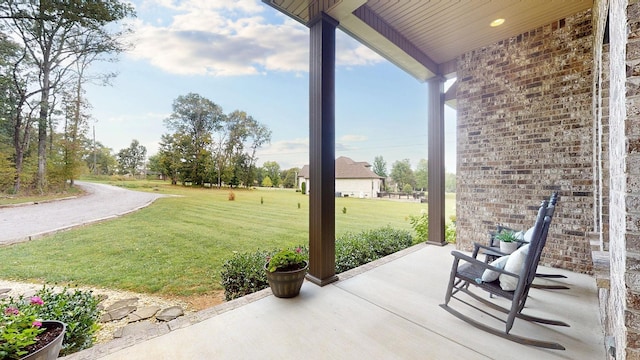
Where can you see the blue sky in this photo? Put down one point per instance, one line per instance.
(244, 55)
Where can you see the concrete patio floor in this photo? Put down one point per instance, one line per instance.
(385, 310)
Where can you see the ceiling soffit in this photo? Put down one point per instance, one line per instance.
(445, 29)
(424, 37)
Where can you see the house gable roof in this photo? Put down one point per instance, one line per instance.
(346, 168)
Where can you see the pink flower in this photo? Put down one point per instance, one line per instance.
(11, 311)
(298, 250)
(36, 324)
(36, 300)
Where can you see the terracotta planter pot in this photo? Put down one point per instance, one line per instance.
(286, 284)
(52, 349)
(508, 247)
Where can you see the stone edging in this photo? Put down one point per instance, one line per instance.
(37, 202)
(159, 329)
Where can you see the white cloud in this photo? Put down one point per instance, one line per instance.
(288, 146)
(287, 153)
(346, 146)
(249, 6)
(118, 131)
(137, 118)
(229, 38)
(349, 52)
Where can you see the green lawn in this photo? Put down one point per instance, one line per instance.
(177, 245)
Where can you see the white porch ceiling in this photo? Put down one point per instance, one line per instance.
(423, 37)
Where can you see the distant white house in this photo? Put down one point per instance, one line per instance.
(354, 179)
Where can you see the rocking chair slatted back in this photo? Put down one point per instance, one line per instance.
(494, 243)
(467, 270)
(538, 240)
(492, 251)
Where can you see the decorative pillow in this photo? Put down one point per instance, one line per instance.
(528, 235)
(514, 264)
(492, 275)
(519, 235)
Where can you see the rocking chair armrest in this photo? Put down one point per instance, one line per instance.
(478, 246)
(460, 256)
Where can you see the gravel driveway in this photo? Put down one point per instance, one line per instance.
(22, 223)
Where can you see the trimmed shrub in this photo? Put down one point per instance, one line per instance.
(243, 274)
(420, 225)
(386, 241)
(450, 232)
(78, 309)
(353, 250)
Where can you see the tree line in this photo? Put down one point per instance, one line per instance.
(206, 146)
(131, 161)
(401, 178)
(46, 50)
(405, 179)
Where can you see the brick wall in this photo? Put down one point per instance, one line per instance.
(600, 255)
(625, 174)
(601, 132)
(525, 128)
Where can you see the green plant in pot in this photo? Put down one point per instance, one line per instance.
(286, 270)
(508, 241)
(23, 335)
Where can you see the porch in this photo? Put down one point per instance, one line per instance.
(384, 310)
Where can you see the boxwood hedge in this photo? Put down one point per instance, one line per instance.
(243, 272)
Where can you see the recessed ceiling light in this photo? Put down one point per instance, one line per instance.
(497, 22)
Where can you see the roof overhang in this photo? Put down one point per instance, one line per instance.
(424, 38)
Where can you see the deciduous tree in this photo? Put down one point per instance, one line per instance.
(450, 182)
(55, 34)
(196, 118)
(422, 174)
(16, 73)
(105, 162)
(266, 181)
(290, 178)
(402, 174)
(131, 160)
(172, 152)
(236, 144)
(272, 170)
(380, 166)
